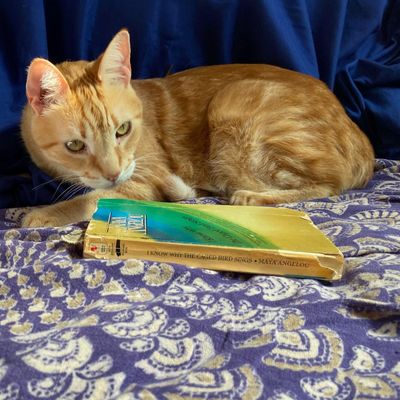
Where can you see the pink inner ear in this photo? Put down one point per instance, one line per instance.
(39, 92)
(33, 87)
(126, 73)
(114, 68)
(124, 47)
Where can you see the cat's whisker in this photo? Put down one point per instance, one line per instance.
(141, 168)
(79, 186)
(138, 175)
(69, 191)
(71, 179)
(56, 190)
(138, 172)
(145, 156)
(145, 173)
(66, 194)
(60, 196)
(74, 192)
(147, 177)
(61, 178)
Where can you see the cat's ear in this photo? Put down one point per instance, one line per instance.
(45, 85)
(115, 64)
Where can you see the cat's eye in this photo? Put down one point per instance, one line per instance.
(123, 129)
(75, 146)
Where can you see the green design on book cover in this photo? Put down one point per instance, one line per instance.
(178, 223)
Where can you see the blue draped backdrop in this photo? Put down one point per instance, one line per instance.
(352, 45)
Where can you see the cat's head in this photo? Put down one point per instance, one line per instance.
(83, 119)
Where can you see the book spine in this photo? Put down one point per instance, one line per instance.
(242, 260)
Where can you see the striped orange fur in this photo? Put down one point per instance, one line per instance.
(257, 134)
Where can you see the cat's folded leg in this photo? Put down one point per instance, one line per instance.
(81, 208)
(66, 212)
(176, 189)
(277, 196)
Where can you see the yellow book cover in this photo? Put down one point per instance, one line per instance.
(258, 240)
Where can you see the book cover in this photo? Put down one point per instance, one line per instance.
(258, 240)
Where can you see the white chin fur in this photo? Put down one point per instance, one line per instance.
(127, 172)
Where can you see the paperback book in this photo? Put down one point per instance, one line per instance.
(257, 240)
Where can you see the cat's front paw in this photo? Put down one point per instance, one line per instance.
(42, 217)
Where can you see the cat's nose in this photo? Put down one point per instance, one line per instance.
(112, 178)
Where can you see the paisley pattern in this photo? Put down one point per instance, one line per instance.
(74, 328)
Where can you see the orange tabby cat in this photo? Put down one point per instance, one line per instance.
(254, 133)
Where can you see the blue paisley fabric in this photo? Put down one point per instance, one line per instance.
(74, 328)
